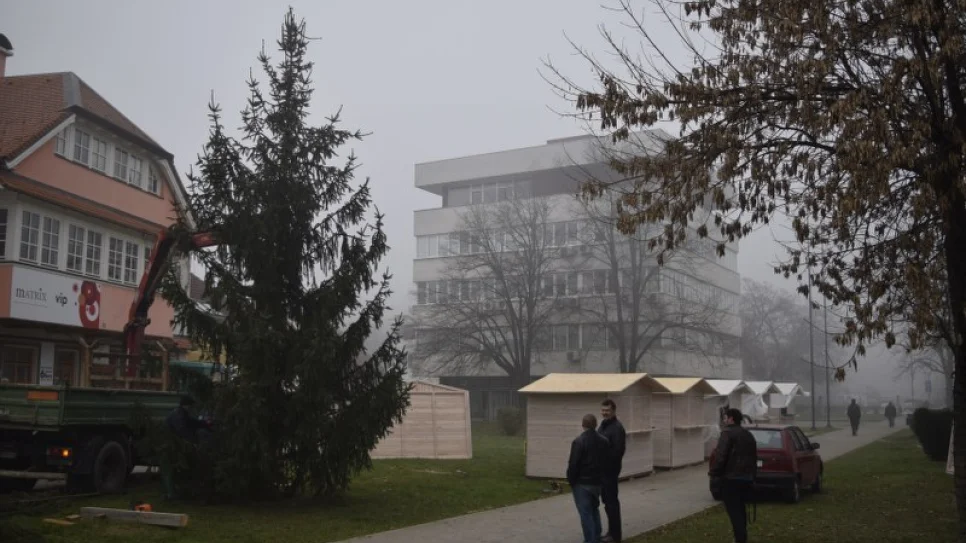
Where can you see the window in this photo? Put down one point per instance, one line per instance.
(566, 337)
(99, 161)
(65, 367)
(61, 148)
(147, 258)
(504, 191)
(29, 236)
(75, 248)
(115, 256)
(131, 260)
(154, 182)
(421, 293)
(489, 193)
(134, 171)
(120, 164)
(595, 336)
(94, 242)
(82, 146)
(17, 365)
(50, 250)
(3, 233)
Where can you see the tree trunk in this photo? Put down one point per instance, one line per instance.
(954, 247)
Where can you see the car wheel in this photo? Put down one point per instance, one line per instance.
(817, 485)
(794, 492)
(110, 468)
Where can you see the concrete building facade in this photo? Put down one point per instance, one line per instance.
(552, 173)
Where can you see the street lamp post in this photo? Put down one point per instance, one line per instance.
(828, 387)
(811, 342)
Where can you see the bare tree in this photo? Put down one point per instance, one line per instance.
(490, 306)
(634, 313)
(935, 359)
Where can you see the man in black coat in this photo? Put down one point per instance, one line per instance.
(587, 454)
(613, 430)
(855, 415)
(890, 413)
(736, 464)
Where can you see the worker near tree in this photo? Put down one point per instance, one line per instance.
(183, 423)
(613, 430)
(890, 413)
(855, 415)
(736, 465)
(587, 454)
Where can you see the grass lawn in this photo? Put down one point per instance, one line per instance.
(885, 492)
(395, 494)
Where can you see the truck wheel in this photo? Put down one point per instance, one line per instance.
(110, 468)
(10, 484)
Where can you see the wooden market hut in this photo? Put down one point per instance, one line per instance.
(783, 403)
(557, 403)
(727, 393)
(756, 404)
(436, 425)
(679, 415)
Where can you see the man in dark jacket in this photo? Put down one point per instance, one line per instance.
(613, 430)
(182, 423)
(890, 413)
(587, 454)
(855, 414)
(735, 465)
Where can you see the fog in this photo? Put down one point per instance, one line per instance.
(428, 79)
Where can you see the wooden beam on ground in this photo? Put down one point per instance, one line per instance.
(58, 522)
(31, 474)
(171, 520)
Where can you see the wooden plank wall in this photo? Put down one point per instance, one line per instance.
(436, 425)
(661, 404)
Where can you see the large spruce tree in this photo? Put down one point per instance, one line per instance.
(295, 283)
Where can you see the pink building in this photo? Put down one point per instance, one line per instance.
(83, 194)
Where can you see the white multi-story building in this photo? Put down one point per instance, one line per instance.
(553, 173)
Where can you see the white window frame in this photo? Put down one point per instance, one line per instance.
(62, 142)
(154, 180)
(111, 253)
(135, 167)
(4, 231)
(132, 262)
(78, 147)
(93, 253)
(50, 241)
(76, 248)
(119, 173)
(32, 241)
(99, 161)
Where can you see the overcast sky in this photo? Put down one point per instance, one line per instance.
(429, 79)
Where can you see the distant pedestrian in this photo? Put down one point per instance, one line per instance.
(855, 415)
(613, 430)
(890, 413)
(587, 454)
(736, 465)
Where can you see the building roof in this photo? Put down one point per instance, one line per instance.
(681, 385)
(790, 389)
(588, 383)
(31, 105)
(724, 387)
(763, 387)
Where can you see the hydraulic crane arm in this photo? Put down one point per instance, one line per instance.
(168, 243)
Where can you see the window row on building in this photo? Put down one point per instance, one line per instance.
(573, 283)
(579, 337)
(113, 160)
(487, 193)
(61, 243)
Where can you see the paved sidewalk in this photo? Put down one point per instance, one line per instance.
(646, 503)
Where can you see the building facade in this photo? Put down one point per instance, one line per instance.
(84, 193)
(579, 282)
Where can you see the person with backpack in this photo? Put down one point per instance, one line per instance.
(855, 415)
(736, 465)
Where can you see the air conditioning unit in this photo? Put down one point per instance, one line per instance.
(573, 357)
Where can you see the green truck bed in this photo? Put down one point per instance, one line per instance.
(57, 407)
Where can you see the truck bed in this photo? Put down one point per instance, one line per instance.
(57, 407)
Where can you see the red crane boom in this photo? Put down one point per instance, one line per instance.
(167, 244)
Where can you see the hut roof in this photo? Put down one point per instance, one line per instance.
(724, 387)
(681, 385)
(589, 383)
(763, 387)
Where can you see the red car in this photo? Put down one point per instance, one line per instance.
(787, 461)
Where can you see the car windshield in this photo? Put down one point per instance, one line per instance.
(767, 439)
